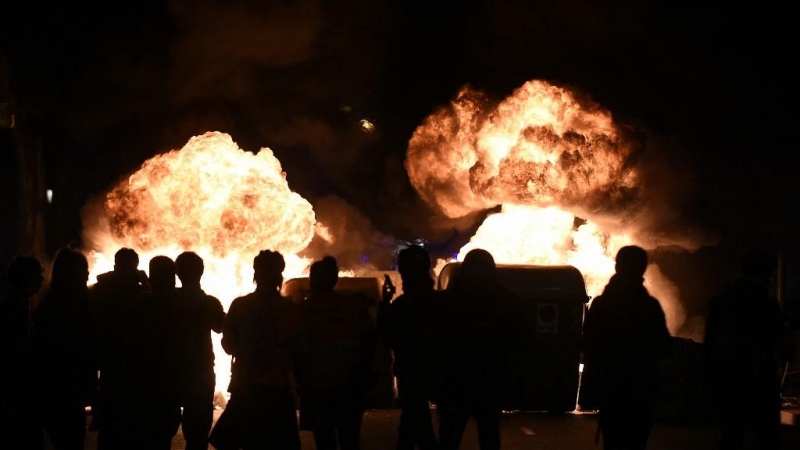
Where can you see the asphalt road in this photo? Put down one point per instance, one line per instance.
(530, 431)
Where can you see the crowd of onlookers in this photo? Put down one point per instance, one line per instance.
(138, 351)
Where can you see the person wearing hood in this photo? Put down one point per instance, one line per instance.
(624, 336)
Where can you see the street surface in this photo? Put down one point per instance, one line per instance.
(528, 431)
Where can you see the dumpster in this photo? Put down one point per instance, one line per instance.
(382, 394)
(545, 373)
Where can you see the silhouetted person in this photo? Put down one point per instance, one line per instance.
(337, 345)
(408, 326)
(151, 410)
(480, 328)
(742, 337)
(260, 334)
(624, 336)
(111, 298)
(197, 314)
(18, 419)
(65, 353)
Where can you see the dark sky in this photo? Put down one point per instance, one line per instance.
(108, 87)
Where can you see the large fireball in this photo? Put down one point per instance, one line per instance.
(540, 146)
(211, 194)
(212, 198)
(564, 172)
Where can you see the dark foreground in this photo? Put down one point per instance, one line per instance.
(530, 431)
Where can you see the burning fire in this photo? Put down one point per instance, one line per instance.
(562, 170)
(548, 236)
(212, 198)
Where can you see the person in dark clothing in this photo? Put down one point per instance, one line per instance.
(18, 419)
(743, 332)
(196, 314)
(624, 336)
(111, 298)
(260, 333)
(336, 348)
(480, 328)
(151, 411)
(64, 349)
(408, 326)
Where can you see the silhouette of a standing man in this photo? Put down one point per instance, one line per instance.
(111, 298)
(408, 326)
(148, 371)
(743, 332)
(337, 346)
(18, 421)
(480, 328)
(197, 314)
(260, 333)
(624, 336)
(64, 343)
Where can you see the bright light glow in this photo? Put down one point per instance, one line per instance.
(214, 199)
(367, 125)
(547, 158)
(49, 196)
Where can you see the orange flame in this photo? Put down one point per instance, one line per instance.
(549, 159)
(212, 198)
(547, 236)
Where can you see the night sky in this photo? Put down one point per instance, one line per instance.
(107, 87)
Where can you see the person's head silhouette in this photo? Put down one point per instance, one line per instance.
(268, 270)
(126, 260)
(414, 264)
(324, 275)
(162, 274)
(70, 271)
(478, 266)
(631, 262)
(25, 275)
(189, 267)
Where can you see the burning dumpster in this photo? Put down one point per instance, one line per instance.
(545, 373)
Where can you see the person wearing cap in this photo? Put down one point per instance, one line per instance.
(260, 334)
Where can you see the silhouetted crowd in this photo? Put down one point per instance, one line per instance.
(138, 351)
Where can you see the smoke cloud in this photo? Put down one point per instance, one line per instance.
(345, 233)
